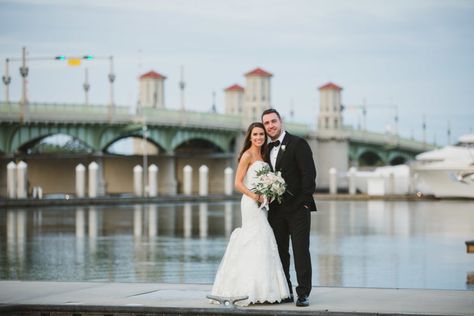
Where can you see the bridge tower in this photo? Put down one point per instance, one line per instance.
(257, 95)
(152, 92)
(234, 99)
(333, 142)
(330, 114)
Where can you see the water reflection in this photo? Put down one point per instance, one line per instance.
(470, 280)
(188, 220)
(16, 237)
(228, 218)
(353, 243)
(152, 220)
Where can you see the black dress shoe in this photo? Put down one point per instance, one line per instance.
(289, 299)
(302, 301)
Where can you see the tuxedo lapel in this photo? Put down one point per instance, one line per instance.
(267, 158)
(281, 152)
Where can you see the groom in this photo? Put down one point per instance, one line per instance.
(292, 218)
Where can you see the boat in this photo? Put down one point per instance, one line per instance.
(447, 172)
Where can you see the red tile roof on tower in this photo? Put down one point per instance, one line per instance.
(152, 74)
(330, 86)
(259, 72)
(234, 87)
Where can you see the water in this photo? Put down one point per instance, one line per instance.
(396, 244)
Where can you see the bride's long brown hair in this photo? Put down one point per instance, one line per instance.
(248, 143)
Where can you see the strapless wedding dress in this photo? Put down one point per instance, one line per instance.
(251, 265)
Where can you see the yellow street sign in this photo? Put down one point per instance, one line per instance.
(74, 62)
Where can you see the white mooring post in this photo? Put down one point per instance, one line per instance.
(332, 181)
(153, 180)
(391, 183)
(138, 180)
(203, 180)
(187, 180)
(228, 181)
(11, 180)
(93, 179)
(22, 180)
(352, 180)
(80, 180)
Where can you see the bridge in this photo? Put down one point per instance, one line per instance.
(181, 137)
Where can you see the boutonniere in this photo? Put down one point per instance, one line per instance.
(283, 148)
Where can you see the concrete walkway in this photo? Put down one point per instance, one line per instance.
(35, 298)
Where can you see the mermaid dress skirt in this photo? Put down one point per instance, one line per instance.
(251, 265)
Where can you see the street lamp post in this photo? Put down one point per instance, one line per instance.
(111, 80)
(423, 127)
(24, 74)
(448, 132)
(86, 86)
(145, 160)
(6, 81)
(182, 85)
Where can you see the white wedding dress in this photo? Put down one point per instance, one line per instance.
(251, 265)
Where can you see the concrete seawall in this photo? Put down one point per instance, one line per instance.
(93, 298)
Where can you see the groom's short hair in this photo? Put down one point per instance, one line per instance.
(269, 111)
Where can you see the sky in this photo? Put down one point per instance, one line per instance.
(413, 59)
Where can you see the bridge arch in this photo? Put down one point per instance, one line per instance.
(57, 143)
(398, 158)
(370, 158)
(197, 146)
(27, 134)
(157, 136)
(223, 142)
(110, 149)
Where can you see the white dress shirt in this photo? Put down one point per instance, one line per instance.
(276, 149)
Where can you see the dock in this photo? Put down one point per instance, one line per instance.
(105, 298)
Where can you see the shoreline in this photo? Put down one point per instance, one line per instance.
(167, 199)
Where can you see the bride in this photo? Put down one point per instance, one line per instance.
(251, 265)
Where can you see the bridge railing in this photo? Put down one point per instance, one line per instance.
(190, 119)
(386, 140)
(63, 112)
(51, 112)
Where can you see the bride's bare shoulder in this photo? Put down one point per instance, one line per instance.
(246, 157)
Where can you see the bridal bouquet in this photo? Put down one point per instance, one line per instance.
(269, 184)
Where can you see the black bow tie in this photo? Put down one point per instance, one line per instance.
(274, 144)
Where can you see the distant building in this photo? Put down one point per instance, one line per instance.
(152, 91)
(257, 94)
(234, 99)
(330, 114)
(252, 100)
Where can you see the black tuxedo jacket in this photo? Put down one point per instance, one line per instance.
(295, 162)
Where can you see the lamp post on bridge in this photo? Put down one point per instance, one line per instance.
(86, 86)
(145, 158)
(6, 81)
(111, 80)
(423, 128)
(24, 74)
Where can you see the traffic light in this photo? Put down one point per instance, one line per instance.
(60, 57)
(88, 57)
(74, 61)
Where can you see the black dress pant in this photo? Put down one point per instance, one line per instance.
(295, 225)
